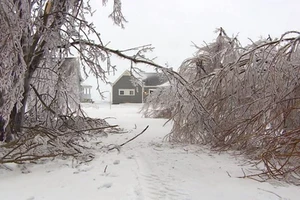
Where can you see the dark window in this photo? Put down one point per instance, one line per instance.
(151, 91)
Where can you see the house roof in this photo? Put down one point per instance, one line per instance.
(125, 73)
(153, 79)
(148, 78)
(166, 84)
(86, 86)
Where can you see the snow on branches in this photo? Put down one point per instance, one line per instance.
(36, 32)
(240, 98)
(39, 86)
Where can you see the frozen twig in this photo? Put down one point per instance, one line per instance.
(270, 192)
(115, 146)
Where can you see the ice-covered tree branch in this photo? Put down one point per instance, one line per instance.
(249, 101)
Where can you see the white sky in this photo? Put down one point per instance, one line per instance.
(171, 25)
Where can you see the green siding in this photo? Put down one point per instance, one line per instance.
(125, 83)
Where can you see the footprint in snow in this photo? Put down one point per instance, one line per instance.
(83, 169)
(116, 162)
(130, 157)
(106, 185)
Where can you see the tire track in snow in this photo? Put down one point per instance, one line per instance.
(161, 188)
(155, 183)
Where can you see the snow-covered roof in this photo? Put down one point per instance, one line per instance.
(166, 84)
(125, 73)
(148, 78)
(86, 86)
(153, 79)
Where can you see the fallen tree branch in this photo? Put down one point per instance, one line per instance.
(98, 128)
(43, 103)
(116, 146)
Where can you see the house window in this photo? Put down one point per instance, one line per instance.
(86, 91)
(151, 91)
(126, 92)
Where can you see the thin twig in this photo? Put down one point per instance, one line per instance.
(228, 174)
(97, 128)
(270, 192)
(115, 147)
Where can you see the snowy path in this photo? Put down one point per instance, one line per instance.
(146, 168)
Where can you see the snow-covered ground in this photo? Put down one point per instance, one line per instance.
(145, 168)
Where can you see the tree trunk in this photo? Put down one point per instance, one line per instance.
(17, 115)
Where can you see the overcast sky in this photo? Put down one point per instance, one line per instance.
(172, 25)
